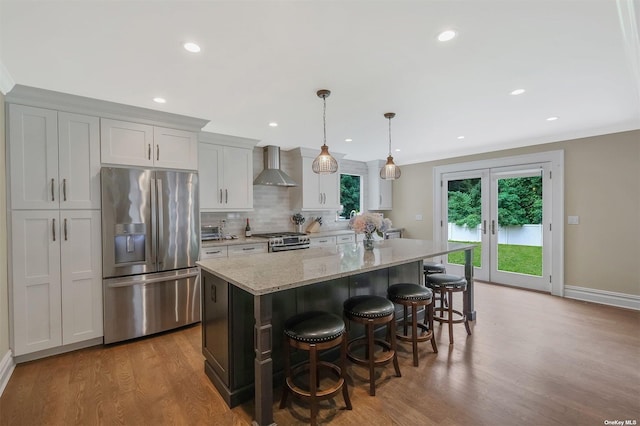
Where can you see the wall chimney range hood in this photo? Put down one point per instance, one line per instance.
(272, 175)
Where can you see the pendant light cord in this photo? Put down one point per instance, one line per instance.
(324, 118)
(389, 135)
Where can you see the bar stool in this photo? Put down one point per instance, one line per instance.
(412, 296)
(434, 268)
(446, 284)
(314, 331)
(372, 311)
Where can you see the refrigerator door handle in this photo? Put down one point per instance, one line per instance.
(160, 210)
(158, 278)
(154, 222)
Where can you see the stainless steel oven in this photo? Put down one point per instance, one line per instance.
(283, 241)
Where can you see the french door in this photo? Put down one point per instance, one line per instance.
(506, 212)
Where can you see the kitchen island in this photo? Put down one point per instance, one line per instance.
(246, 301)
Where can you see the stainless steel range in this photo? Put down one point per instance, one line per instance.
(281, 241)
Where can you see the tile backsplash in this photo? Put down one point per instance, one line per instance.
(271, 204)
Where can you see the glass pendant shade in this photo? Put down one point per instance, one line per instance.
(390, 171)
(324, 163)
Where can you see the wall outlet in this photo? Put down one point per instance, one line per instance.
(418, 217)
(573, 220)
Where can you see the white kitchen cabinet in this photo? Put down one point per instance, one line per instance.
(57, 278)
(213, 252)
(135, 144)
(315, 192)
(329, 241)
(346, 238)
(54, 159)
(380, 192)
(244, 249)
(225, 169)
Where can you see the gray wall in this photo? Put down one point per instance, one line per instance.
(602, 186)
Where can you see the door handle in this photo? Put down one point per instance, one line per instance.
(53, 197)
(248, 248)
(149, 151)
(53, 228)
(157, 152)
(214, 295)
(64, 189)
(220, 196)
(484, 227)
(493, 227)
(226, 196)
(65, 229)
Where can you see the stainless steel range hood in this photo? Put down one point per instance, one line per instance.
(272, 175)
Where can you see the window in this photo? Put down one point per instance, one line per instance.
(350, 195)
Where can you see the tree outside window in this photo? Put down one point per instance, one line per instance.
(350, 194)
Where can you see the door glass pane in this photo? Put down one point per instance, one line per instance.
(520, 225)
(464, 217)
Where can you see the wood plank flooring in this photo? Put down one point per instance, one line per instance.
(533, 359)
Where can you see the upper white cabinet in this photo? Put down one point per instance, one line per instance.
(135, 144)
(54, 159)
(380, 193)
(57, 278)
(225, 169)
(315, 192)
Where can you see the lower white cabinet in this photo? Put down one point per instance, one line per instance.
(243, 249)
(322, 241)
(344, 239)
(57, 278)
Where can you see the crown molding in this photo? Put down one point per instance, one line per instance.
(6, 82)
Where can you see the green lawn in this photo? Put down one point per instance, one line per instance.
(511, 258)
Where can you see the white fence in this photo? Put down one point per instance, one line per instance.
(525, 235)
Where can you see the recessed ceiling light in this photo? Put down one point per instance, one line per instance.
(348, 140)
(273, 124)
(518, 92)
(446, 35)
(191, 47)
(552, 118)
(160, 100)
(460, 137)
(397, 150)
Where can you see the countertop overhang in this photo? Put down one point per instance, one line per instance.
(266, 273)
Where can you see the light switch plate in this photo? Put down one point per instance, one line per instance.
(418, 217)
(573, 220)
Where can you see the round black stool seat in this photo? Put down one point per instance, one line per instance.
(314, 327)
(413, 296)
(447, 281)
(372, 311)
(368, 307)
(314, 331)
(407, 291)
(434, 268)
(447, 284)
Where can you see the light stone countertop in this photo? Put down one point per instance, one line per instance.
(271, 272)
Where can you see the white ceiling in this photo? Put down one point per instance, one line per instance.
(263, 61)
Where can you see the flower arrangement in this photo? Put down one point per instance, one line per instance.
(368, 223)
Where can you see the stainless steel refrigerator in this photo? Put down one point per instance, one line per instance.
(150, 243)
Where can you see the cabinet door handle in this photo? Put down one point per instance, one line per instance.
(213, 252)
(380, 199)
(320, 198)
(65, 229)
(53, 228)
(214, 295)
(157, 152)
(226, 196)
(64, 189)
(220, 196)
(149, 151)
(53, 197)
(248, 248)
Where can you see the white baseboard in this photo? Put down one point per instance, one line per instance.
(621, 300)
(6, 368)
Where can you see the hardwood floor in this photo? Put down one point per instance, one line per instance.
(533, 359)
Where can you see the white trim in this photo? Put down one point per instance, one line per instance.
(6, 82)
(6, 369)
(621, 300)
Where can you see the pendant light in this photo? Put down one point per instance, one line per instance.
(390, 171)
(324, 163)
